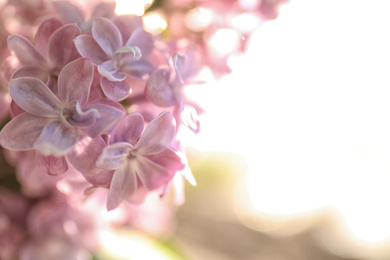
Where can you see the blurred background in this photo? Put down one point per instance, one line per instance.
(292, 159)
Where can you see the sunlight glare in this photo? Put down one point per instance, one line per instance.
(225, 41)
(246, 22)
(117, 244)
(154, 22)
(137, 7)
(198, 19)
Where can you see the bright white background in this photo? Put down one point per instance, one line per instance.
(308, 108)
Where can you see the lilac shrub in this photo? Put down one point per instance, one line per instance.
(91, 107)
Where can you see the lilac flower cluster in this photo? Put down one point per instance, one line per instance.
(65, 102)
(91, 107)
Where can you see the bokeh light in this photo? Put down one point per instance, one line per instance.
(136, 7)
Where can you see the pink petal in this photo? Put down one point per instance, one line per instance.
(15, 110)
(22, 131)
(56, 140)
(123, 185)
(142, 40)
(107, 35)
(32, 71)
(90, 49)
(74, 81)
(25, 51)
(111, 71)
(113, 156)
(104, 9)
(100, 179)
(137, 68)
(108, 116)
(70, 12)
(168, 159)
(152, 175)
(43, 34)
(115, 90)
(138, 197)
(51, 165)
(84, 155)
(179, 63)
(80, 118)
(128, 129)
(158, 135)
(158, 89)
(33, 96)
(127, 24)
(61, 46)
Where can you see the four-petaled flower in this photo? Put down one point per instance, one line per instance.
(53, 49)
(116, 57)
(52, 125)
(139, 160)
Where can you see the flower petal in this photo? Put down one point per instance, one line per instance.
(15, 110)
(179, 62)
(123, 185)
(71, 12)
(142, 40)
(113, 156)
(108, 115)
(158, 135)
(100, 179)
(25, 50)
(61, 46)
(87, 150)
(152, 174)
(107, 35)
(128, 129)
(169, 159)
(104, 9)
(158, 89)
(82, 118)
(126, 55)
(74, 81)
(32, 71)
(127, 24)
(115, 90)
(51, 165)
(90, 49)
(21, 132)
(109, 70)
(33, 96)
(137, 68)
(56, 140)
(43, 34)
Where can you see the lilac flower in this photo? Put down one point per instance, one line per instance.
(116, 59)
(54, 48)
(53, 125)
(139, 161)
(164, 89)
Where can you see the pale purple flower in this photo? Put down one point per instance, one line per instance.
(115, 57)
(139, 160)
(53, 49)
(52, 125)
(164, 88)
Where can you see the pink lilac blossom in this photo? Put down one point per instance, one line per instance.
(116, 57)
(139, 161)
(91, 106)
